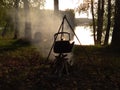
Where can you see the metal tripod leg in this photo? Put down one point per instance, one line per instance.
(60, 65)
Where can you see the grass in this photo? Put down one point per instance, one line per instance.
(18, 61)
(22, 67)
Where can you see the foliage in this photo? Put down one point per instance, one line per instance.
(9, 16)
(97, 20)
(37, 3)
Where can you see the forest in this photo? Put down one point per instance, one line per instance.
(31, 58)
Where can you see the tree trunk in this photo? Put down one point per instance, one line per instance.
(108, 23)
(16, 25)
(56, 5)
(28, 35)
(116, 30)
(100, 21)
(93, 20)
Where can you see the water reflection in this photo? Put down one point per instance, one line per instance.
(84, 34)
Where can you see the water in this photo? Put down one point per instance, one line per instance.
(84, 34)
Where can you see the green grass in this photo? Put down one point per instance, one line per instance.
(22, 67)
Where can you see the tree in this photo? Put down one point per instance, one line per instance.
(16, 5)
(27, 20)
(116, 30)
(37, 3)
(6, 17)
(56, 5)
(93, 20)
(108, 23)
(3, 14)
(10, 8)
(100, 20)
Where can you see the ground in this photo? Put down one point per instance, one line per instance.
(23, 68)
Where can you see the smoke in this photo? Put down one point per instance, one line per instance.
(44, 24)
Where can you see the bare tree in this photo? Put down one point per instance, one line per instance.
(116, 30)
(100, 20)
(93, 20)
(27, 20)
(16, 25)
(56, 5)
(108, 23)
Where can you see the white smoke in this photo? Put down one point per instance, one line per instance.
(44, 24)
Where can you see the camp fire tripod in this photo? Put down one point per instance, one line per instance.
(62, 47)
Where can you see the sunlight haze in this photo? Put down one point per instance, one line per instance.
(63, 4)
(84, 34)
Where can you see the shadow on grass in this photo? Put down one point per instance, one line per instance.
(13, 45)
